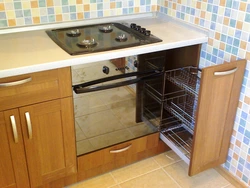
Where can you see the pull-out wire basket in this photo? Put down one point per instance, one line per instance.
(186, 78)
(183, 107)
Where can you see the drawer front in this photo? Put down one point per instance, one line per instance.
(35, 87)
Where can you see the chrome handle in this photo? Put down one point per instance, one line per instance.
(19, 82)
(225, 72)
(120, 150)
(27, 116)
(14, 129)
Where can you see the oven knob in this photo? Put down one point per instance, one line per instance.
(136, 63)
(147, 33)
(133, 25)
(105, 70)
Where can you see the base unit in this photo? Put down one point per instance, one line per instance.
(194, 111)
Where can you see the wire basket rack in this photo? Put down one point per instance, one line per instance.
(187, 78)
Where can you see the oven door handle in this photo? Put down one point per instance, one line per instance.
(89, 86)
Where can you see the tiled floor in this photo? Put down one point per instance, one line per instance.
(162, 171)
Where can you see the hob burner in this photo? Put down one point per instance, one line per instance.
(106, 29)
(121, 38)
(87, 43)
(74, 33)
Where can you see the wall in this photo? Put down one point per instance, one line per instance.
(228, 22)
(15, 13)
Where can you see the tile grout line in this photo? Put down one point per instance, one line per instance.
(162, 167)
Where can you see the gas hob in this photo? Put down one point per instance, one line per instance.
(101, 37)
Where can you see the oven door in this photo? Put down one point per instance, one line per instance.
(116, 81)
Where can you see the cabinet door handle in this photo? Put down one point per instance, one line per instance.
(225, 72)
(14, 129)
(120, 150)
(15, 83)
(27, 116)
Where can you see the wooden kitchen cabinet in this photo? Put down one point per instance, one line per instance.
(38, 139)
(196, 111)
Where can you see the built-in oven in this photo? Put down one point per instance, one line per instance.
(107, 101)
(107, 94)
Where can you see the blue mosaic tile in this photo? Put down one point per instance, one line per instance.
(241, 161)
(241, 129)
(246, 140)
(28, 21)
(3, 23)
(209, 8)
(242, 121)
(227, 12)
(235, 51)
(73, 16)
(245, 179)
(51, 10)
(247, 18)
(44, 19)
(51, 18)
(100, 6)
(248, 164)
(142, 2)
(124, 11)
(232, 23)
(42, 3)
(65, 9)
(227, 164)
(235, 5)
(19, 13)
(244, 115)
(247, 133)
(72, 8)
(119, 5)
(230, 40)
(214, 17)
(131, 3)
(86, 15)
(2, 15)
(148, 9)
(148, 2)
(229, 3)
(65, 2)
(17, 5)
(240, 167)
(27, 13)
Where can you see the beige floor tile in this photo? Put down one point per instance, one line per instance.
(208, 179)
(103, 181)
(134, 170)
(154, 179)
(115, 186)
(229, 186)
(167, 158)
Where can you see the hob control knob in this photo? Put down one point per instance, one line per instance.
(133, 25)
(147, 33)
(138, 28)
(143, 30)
(105, 70)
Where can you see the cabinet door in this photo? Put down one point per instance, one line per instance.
(13, 168)
(217, 105)
(48, 131)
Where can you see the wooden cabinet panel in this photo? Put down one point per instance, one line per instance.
(218, 100)
(47, 157)
(7, 177)
(44, 86)
(13, 169)
(102, 161)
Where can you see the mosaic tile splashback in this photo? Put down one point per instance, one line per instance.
(15, 13)
(228, 22)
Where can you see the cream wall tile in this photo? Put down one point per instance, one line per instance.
(155, 179)
(135, 170)
(35, 12)
(206, 179)
(10, 14)
(58, 10)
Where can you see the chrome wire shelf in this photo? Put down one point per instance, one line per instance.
(180, 137)
(186, 78)
(183, 107)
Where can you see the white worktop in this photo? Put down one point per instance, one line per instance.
(26, 50)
